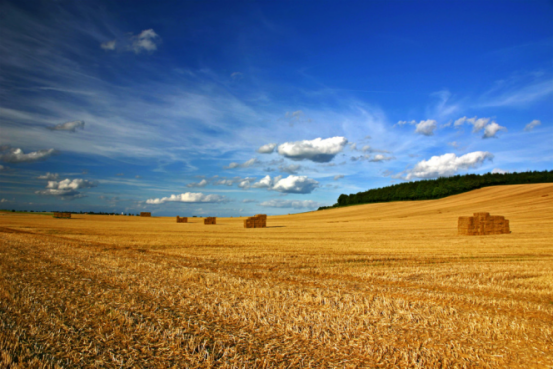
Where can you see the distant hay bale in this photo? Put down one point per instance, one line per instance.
(145, 214)
(182, 219)
(483, 224)
(209, 220)
(62, 215)
(257, 221)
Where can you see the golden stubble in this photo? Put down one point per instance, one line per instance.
(381, 285)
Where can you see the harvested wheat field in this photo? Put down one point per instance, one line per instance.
(383, 285)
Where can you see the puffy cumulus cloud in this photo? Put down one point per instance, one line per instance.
(296, 204)
(266, 182)
(267, 149)
(49, 176)
(337, 177)
(246, 164)
(446, 165)
(318, 150)
(295, 184)
(477, 123)
(66, 189)
(529, 127)
(189, 197)
(16, 155)
(68, 126)
(492, 128)
(146, 41)
(202, 183)
(426, 127)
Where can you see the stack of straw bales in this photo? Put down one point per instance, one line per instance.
(182, 219)
(257, 221)
(62, 215)
(483, 224)
(145, 214)
(209, 220)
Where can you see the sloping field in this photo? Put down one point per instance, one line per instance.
(380, 285)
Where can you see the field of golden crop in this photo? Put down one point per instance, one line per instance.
(384, 285)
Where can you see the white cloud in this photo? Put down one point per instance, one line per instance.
(108, 45)
(226, 182)
(68, 126)
(49, 176)
(499, 171)
(460, 121)
(337, 177)
(202, 183)
(265, 182)
(296, 204)
(477, 123)
(379, 158)
(2, 167)
(295, 184)
(4, 200)
(426, 127)
(454, 144)
(247, 201)
(147, 41)
(189, 197)
(403, 122)
(492, 129)
(13, 155)
(447, 165)
(373, 159)
(246, 164)
(529, 127)
(267, 149)
(66, 189)
(317, 150)
(290, 169)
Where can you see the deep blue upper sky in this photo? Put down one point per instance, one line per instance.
(244, 107)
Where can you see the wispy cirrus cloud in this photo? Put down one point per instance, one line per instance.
(529, 126)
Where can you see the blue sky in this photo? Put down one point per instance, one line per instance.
(241, 107)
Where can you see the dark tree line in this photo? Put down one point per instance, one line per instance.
(438, 188)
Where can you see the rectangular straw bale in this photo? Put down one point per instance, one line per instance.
(145, 214)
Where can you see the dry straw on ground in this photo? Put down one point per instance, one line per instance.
(382, 285)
